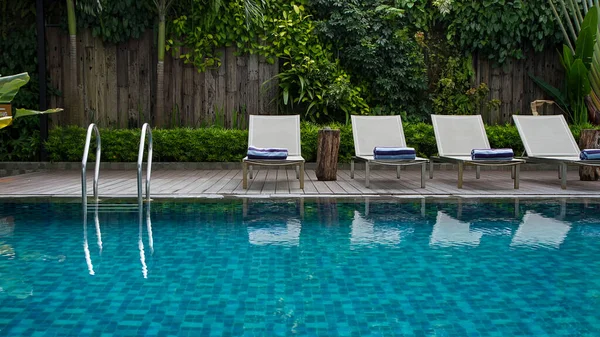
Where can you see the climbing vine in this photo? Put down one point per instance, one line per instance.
(119, 20)
(311, 81)
(500, 29)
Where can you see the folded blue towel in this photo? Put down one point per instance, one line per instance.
(267, 153)
(590, 154)
(394, 153)
(492, 154)
(395, 157)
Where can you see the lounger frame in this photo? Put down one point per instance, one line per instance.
(456, 136)
(556, 144)
(274, 131)
(371, 131)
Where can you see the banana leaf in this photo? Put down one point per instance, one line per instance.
(5, 121)
(9, 86)
(584, 46)
(556, 94)
(28, 112)
(578, 82)
(566, 59)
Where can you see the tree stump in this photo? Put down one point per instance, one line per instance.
(327, 154)
(589, 139)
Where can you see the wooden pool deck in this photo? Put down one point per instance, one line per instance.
(166, 183)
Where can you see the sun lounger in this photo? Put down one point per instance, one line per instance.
(382, 132)
(548, 139)
(268, 132)
(457, 137)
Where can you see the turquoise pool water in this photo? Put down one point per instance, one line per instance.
(287, 268)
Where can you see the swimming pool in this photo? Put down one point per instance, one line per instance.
(302, 268)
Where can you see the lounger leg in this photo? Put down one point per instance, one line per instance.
(460, 174)
(477, 172)
(563, 176)
(430, 169)
(512, 172)
(302, 175)
(297, 173)
(559, 173)
(244, 176)
(250, 168)
(352, 169)
(423, 167)
(516, 170)
(367, 174)
(398, 172)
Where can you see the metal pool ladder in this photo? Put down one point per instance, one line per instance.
(145, 129)
(93, 128)
(88, 138)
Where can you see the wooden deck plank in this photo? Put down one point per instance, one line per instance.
(182, 183)
(256, 184)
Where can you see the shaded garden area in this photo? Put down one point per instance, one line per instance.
(322, 59)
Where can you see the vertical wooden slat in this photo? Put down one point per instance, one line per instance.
(100, 79)
(111, 95)
(198, 112)
(210, 83)
(89, 80)
(231, 86)
(539, 72)
(253, 85)
(268, 87)
(167, 91)
(518, 79)
(80, 99)
(484, 77)
(54, 63)
(153, 65)
(528, 84)
(495, 83)
(506, 92)
(221, 88)
(242, 85)
(187, 108)
(176, 76)
(144, 77)
(122, 84)
(133, 112)
(555, 70)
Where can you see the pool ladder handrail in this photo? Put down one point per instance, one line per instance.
(88, 138)
(145, 130)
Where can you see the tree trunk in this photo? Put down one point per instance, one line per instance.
(327, 154)
(589, 139)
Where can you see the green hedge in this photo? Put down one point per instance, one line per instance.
(221, 145)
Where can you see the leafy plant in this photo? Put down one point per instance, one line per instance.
(577, 26)
(221, 145)
(374, 43)
(500, 29)
(577, 66)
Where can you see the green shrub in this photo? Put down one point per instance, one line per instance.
(170, 145)
(221, 145)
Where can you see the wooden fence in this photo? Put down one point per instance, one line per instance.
(116, 84)
(512, 85)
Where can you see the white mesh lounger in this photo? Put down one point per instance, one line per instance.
(380, 131)
(456, 136)
(548, 139)
(275, 131)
